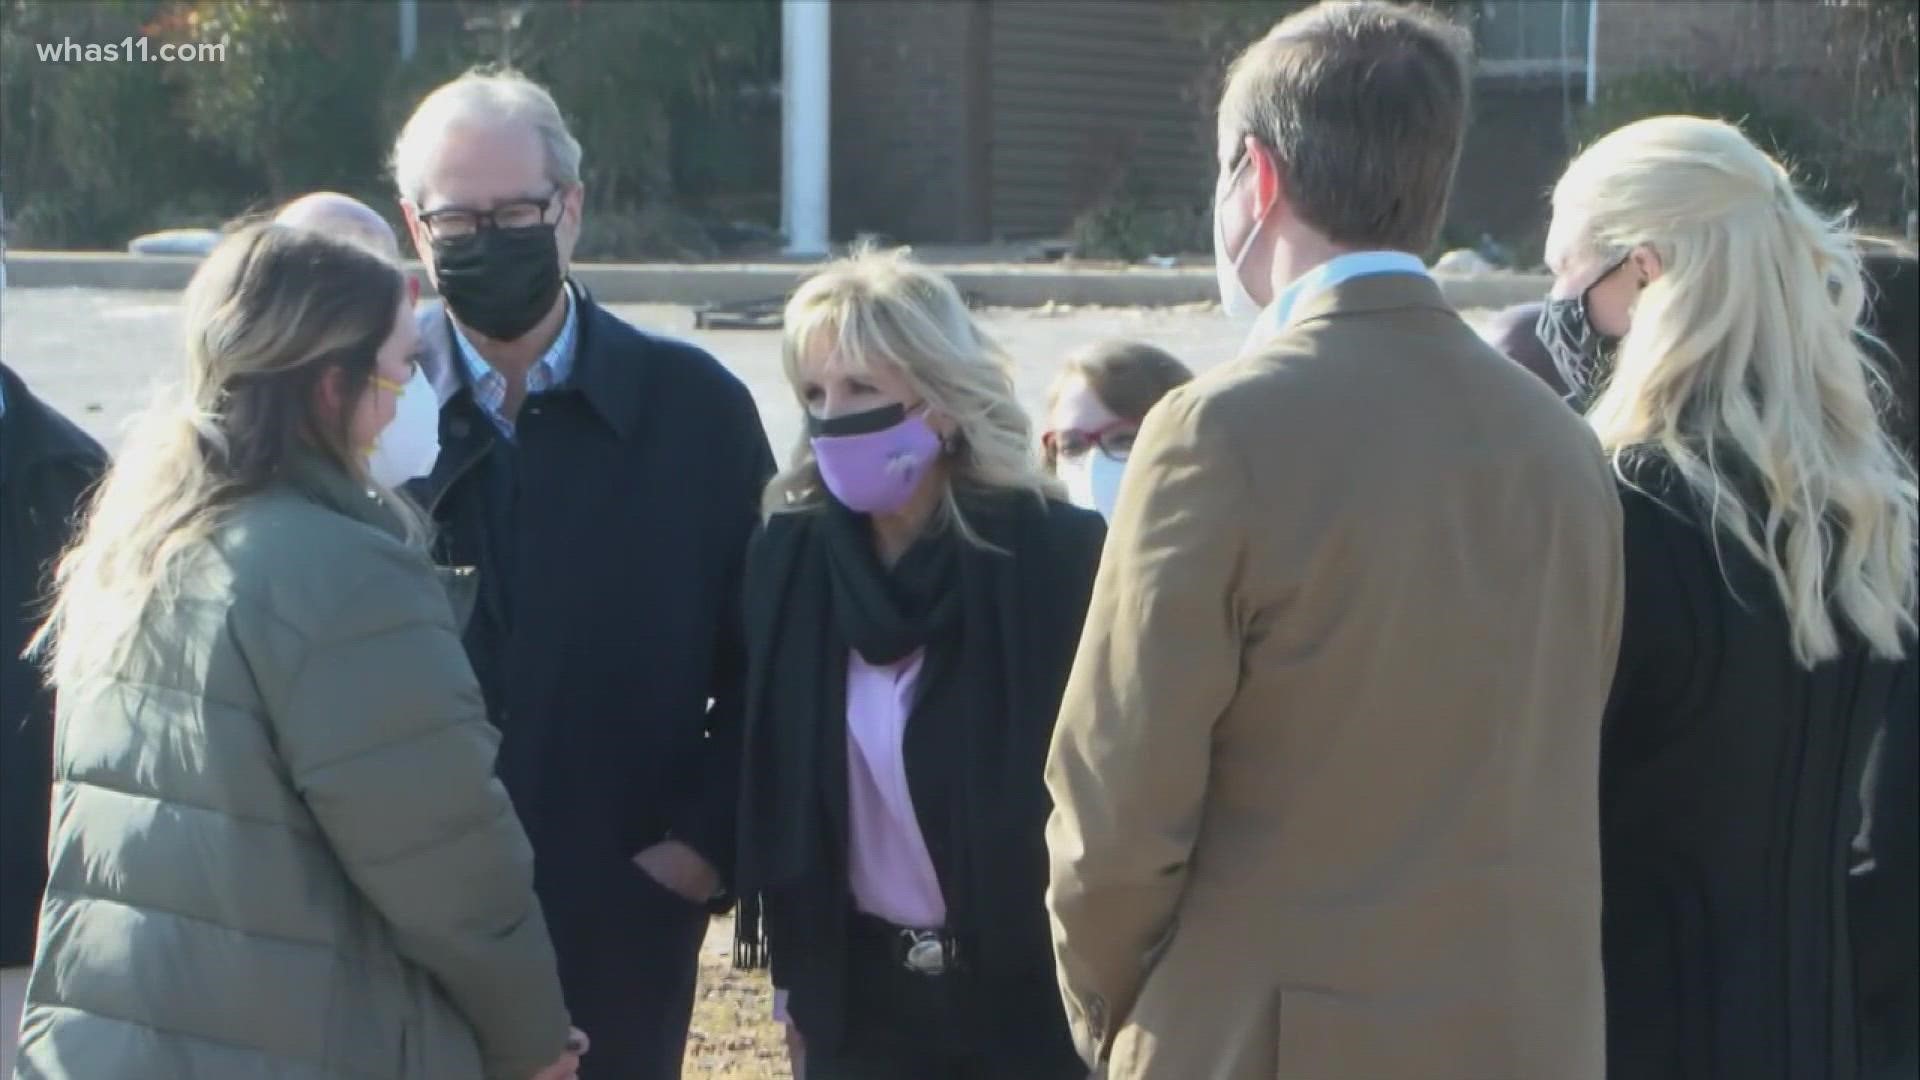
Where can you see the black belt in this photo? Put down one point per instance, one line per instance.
(923, 952)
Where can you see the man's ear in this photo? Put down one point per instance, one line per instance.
(1268, 183)
(573, 204)
(416, 231)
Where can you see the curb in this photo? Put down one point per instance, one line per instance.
(992, 285)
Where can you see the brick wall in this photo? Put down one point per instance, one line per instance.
(1787, 41)
(906, 119)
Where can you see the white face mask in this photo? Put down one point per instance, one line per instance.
(1234, 297)
(410, 445)
(1093, 480)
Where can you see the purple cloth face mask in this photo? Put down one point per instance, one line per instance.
(872, 461)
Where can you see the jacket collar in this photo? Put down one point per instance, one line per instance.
(1371, 294)
(320, 479)
(610, 378)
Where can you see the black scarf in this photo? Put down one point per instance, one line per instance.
(886, 615)
(816, 589)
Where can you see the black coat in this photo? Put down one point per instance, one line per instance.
(1730, 779)
(609, 538)
(46, 467)
(1053, 552)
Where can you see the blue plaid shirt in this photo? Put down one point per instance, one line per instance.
(553, 369)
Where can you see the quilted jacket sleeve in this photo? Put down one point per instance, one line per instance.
(384, 734)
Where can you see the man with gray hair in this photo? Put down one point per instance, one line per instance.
(1326, 773)
(604, 481)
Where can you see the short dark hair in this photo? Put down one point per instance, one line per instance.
(1364, 106)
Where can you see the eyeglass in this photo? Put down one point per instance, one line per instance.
(1115, 440)
(457, 222)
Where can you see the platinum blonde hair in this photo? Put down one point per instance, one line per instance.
(267, 315)
(1744, 367)
(484, 96)
(880, 309)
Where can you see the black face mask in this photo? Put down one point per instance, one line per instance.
(1582, 354)
(499, 281)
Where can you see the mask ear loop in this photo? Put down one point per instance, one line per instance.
(950, 443)
(1233, 181)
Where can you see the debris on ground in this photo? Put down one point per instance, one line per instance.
(750, 315)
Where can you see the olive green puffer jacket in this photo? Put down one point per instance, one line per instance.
(278, 848)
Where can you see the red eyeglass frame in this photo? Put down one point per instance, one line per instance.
(1050, 439)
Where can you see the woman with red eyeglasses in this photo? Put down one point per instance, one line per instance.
(1094, 411)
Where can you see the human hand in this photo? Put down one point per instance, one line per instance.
(681, 870)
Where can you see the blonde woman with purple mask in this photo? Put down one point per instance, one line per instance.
(913, 604)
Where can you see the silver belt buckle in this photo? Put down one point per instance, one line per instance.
(926, 954)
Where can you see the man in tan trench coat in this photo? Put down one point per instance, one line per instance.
(1326, 771)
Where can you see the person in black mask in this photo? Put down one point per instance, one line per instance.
(1580, 347)
(1768, 631)
(604, 482)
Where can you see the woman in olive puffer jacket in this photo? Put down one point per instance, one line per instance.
(278, 848)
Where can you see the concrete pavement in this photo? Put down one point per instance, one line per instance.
(1016, 285)
(97, 354)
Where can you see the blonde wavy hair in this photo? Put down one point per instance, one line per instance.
(1744, 367)
(267, 315)
(882, 309)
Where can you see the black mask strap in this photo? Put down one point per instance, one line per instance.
(860, 423)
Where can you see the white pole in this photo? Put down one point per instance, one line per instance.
(409, 28)
(806, 109)
(1593, 50)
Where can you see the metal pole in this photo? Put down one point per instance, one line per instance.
(1593, 50)
(409, 28)
(806, 108)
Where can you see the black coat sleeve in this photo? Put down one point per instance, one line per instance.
(706, 822)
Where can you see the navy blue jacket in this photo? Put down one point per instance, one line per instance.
(608, 538)
(46, 467)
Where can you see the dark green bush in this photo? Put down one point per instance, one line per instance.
(91, 153)
(666, 96)
(1129, 231)
(1780, 128)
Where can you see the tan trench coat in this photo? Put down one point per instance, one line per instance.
(1326, 771)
